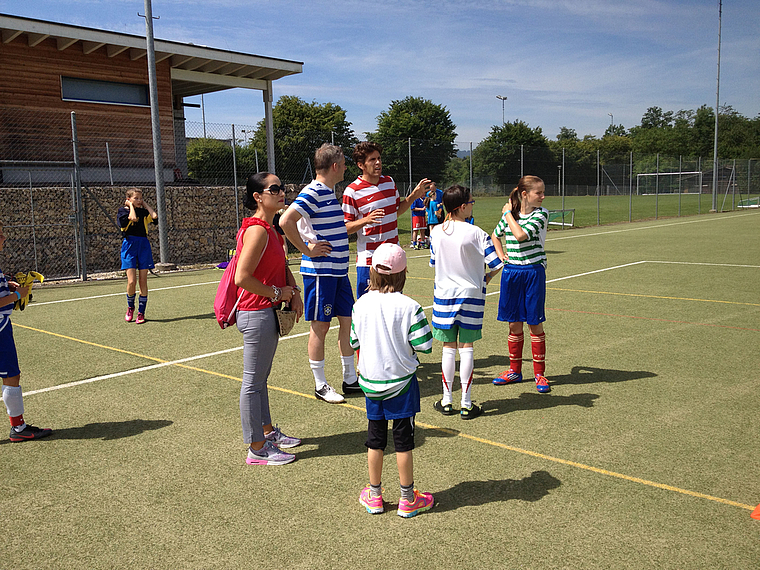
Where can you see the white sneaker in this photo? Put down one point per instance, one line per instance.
(329, 395)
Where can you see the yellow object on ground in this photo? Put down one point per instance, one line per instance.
(26, 280)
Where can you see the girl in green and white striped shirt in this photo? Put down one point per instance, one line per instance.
(523, 280)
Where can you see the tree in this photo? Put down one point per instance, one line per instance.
(299, 129)
(615, 131)
(209, 160)
(566, 135)
(432, 132)
(457, 172)
(655, 118)
(498, 155)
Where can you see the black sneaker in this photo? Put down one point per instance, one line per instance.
(471, 412)
(29, 432)
(446, 410)
(351, 388)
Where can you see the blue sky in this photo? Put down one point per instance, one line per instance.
(559, 62)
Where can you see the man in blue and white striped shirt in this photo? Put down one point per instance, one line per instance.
(314, 224)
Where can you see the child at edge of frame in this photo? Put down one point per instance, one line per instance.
(396, 328)
(136, 255)
(10, 292)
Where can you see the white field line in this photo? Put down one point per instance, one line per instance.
(36, 304)
(237, 348)
(708, 264)
(146, 368)
(601, 233)
(657, 226)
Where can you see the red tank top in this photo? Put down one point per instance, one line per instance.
(270, 269)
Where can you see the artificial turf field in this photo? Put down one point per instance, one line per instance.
(644, 454)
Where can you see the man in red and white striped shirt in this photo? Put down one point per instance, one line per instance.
(371, 206)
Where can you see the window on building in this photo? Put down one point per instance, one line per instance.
(95, 91)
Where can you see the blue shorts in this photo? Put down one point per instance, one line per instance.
(362, 281)
(523, 294)
(8, 357)
(136, 253)
(327, 297)
(404, 405)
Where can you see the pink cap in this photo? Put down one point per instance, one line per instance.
(389, 255)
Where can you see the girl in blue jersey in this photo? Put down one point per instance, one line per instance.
(523, 281)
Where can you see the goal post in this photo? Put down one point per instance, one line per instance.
(669, 183)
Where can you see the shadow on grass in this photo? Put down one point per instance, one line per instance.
(475, 493)
(352, 443)
(106, 430)
(186, 318)
(589, 375)
(429, 374)
(536, 401)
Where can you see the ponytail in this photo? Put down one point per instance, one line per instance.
(525, 184)
(515, 203)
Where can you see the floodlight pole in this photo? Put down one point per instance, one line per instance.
(717, 109)
(503, 98)
(158, 162)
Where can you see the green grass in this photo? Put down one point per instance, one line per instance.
(607, 210)
(644, 454)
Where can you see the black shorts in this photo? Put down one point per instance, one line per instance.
(403, 434)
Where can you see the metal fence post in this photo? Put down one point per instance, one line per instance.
(598, 188)
(234, 177)
(630, 190)
(470, 166)
(409, 143)
(657, 188)
(78, 196)
(680, 169)
(158, 160)
(562, 191)
(34, 229)
(699, 201)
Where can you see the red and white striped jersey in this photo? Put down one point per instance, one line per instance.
(359, 199)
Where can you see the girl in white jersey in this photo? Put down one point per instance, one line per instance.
(461, 254)
(523, 281)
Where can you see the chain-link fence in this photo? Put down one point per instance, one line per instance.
(63, 177)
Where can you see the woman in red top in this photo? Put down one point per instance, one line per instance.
(263, 272)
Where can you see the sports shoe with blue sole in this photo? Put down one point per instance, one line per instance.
(508, 377)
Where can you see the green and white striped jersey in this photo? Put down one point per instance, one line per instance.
(531, 251)
(390, 328)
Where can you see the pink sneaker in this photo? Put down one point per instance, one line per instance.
(130, 314)
(422, 502)
(542, 384)
(374, 505)
(140, 318)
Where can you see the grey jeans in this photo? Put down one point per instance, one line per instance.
(260, 338)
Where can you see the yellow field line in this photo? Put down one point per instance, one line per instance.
(428, 426)
(653, 296)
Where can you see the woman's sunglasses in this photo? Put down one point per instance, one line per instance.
(276, 189)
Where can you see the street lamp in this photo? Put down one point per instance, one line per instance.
(503, 98)
(612, 119)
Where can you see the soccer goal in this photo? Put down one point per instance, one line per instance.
(669, 183)
(750, 202)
